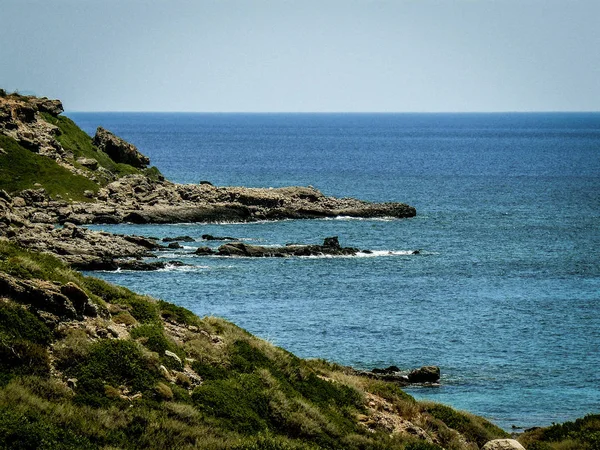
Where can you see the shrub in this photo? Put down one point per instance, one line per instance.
(240, 401)
(177, 314)
(112, 362)
(28, 431)
(124, 318)
(143, 309)
(72, 349)
(22, 357)
(163, 391)
(19, 323)
(476, 429)
(154, 339)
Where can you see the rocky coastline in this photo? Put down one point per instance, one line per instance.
(124, 190)
(85, 364)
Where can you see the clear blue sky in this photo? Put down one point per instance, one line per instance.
(288, 55)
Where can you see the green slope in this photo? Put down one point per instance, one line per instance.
(22, 169)
(252, 396)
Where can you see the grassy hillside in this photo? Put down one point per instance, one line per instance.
(148, 374)
(22, 118)
(22, 169)
(77, 141)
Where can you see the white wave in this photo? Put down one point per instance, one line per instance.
(176, 268)
(370, 219)
(376, 253)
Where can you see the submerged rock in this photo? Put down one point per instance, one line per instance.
(179, 238)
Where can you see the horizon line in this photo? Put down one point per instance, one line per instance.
(337, 112)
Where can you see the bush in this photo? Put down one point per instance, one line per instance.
(476, 429)
(116, 363)
(19, 323)
(177, 314)
(154, 339)
(27, 431)
(240, 401)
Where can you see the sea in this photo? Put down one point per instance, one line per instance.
(503, 296)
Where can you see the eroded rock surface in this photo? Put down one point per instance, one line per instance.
(119, 150)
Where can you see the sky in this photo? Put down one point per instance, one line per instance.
(304, 55)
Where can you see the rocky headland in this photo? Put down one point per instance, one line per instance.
(109, 182)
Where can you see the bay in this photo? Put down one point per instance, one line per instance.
(504, 295)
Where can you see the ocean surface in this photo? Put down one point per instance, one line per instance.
(504, 295)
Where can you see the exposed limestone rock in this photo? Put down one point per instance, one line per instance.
(179, 239)
(45, 104)
(20, 119)
(46, 296)
(382, 415)
(503, 444)
(209, 237)
(90, 163)
(119, 150)
(83, 248)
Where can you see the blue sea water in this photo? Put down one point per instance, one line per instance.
(504, 296)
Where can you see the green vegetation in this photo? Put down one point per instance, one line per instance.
(582, 434)
(77, 141)
(473, 427)
(22, 169)
(170, 379)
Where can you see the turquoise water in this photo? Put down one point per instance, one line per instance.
(504, 296)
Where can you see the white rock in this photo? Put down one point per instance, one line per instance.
(503, 444)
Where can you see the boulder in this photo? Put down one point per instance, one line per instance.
(426, 374)
(90, 163)
(119, 150)
(503, 444)
(81, 302)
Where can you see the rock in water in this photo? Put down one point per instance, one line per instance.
(503, 444)
(427, 374)
(120, 151)
(330, 246)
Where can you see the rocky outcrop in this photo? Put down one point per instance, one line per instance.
(119, 150)
(67, 302)
(425, 374)
(330, 247)
(20, 120)
(503, 444)
(44, 104)
(137, 199)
